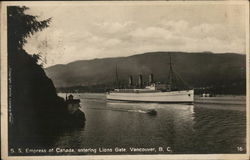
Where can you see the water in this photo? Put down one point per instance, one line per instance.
(205, 127)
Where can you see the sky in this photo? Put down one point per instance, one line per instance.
(98, 30)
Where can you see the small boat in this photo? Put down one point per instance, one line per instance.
(152, 112)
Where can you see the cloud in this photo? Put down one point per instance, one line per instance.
(175, 26)
(85, 35)
(112, 42)
(181, 36)
(114, 27)
(151, 32)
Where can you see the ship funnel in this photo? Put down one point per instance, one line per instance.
(130, 81)
(151, 78)
(140, 81)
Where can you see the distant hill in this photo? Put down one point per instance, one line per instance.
(203, 69)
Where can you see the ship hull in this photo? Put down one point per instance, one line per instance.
(186, 96)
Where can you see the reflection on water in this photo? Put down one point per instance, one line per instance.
(219, 131)
(183, 128)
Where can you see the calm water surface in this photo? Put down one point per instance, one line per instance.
(215, 126)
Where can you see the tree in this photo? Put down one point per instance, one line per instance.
(21, 26)
(34, 103)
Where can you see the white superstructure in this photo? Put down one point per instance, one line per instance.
(141, 95)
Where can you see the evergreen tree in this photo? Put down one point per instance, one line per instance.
(34, 107)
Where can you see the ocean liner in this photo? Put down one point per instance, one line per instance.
(153, 92)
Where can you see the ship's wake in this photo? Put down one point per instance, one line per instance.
(122, 110)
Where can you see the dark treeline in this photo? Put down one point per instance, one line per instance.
(83, 89)
(236, 88)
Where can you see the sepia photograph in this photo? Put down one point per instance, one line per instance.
(105, 80)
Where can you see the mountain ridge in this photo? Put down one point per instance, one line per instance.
(197, 68)
(207, 52)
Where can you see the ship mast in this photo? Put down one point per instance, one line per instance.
(173, 77)
(171, 73)
(116, 77)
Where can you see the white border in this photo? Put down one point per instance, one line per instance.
(4, 120)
